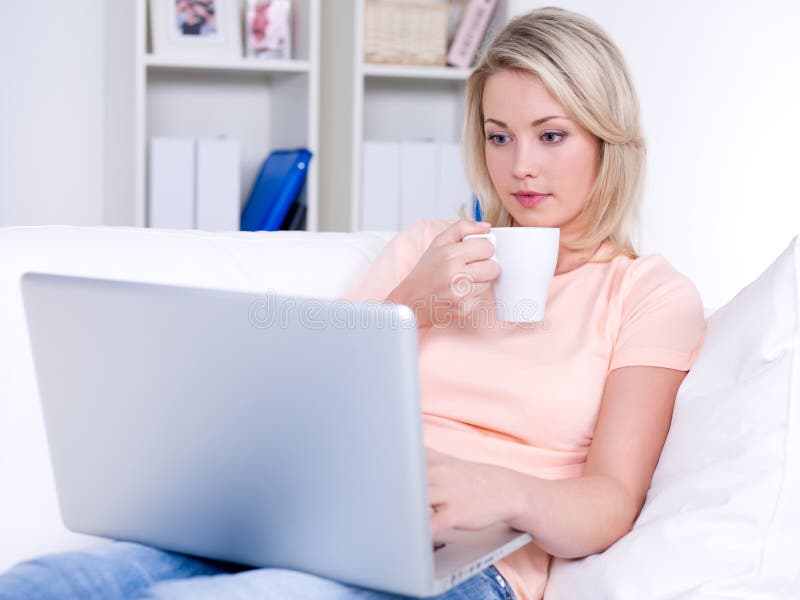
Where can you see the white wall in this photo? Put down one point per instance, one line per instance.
(51, 112)
(719, 84)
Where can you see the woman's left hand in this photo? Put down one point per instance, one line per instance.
(468, 495)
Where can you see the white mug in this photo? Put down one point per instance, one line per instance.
(527, 257)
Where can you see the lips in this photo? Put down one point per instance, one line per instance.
(530, 199)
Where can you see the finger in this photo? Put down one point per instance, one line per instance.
(437, 496)
(441, 521)
(468, 287)
(457, 231)
(475, 249)
(432, 455)
(436, 471)
(435, 456)
(479, 304)
(483, 271)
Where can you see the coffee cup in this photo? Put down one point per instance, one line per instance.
(527, 257)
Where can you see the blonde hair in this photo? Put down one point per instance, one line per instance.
(585, 71)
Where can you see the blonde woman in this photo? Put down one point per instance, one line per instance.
(556, 429)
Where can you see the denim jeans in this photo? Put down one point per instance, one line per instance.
(122, 571)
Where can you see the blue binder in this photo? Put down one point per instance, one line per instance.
(278, 183)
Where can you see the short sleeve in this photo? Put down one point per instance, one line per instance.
(397, 259)
(662, 322)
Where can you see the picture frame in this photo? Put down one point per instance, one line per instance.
(192, 27)
(268, 29)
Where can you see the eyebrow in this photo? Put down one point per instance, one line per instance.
(536, 123)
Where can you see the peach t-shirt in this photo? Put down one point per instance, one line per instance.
(527, 396)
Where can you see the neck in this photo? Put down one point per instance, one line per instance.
(569, 260)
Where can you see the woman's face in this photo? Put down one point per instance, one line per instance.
(542, 163)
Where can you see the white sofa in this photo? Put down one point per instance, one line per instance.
(722, 518)
(321, 264)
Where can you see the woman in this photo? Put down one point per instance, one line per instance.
(555, 429)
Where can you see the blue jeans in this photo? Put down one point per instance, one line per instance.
(121, 571)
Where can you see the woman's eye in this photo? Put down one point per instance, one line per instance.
(498, 138)
(553, 137)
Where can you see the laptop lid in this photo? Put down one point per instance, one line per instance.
(258, 429)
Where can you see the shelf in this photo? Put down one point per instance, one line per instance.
(415, 72)
(227, 64)
(262, 103)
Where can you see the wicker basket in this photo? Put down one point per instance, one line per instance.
(405, 33)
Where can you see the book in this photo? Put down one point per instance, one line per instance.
(418, 172)
(407, 180)
(380, 186)
(452, 190)
(170, 184)
(278, 183)
(217, 184)
(295, 219)
(470, 33)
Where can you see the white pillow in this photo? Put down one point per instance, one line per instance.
(722, 515)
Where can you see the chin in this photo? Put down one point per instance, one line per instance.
(528, 219)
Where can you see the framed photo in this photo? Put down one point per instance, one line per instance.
(268, 28)
(210, 27)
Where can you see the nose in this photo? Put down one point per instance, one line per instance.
(526, 163)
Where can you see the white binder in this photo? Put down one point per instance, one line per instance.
(381, 185)
(418, 180)
(452, 189)
(170, 185)
(218, 184)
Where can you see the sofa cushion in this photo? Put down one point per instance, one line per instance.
(722, 515)
(298, 263)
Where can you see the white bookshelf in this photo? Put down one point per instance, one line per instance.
(368, 102)
(411, 72)
(265, 104)
(244, 65)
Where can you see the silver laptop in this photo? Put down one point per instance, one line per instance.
(259, 429)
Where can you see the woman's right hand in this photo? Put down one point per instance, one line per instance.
(450, 276)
